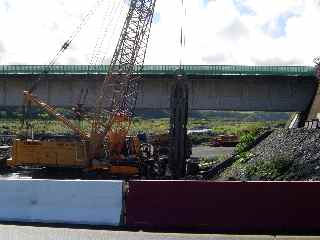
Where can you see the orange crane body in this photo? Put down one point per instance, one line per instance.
(107, 146)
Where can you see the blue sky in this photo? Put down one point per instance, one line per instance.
(280, 29)
(205, 3)
(243, 8)
(248, 32)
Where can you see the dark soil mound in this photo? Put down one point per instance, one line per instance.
(287, 154)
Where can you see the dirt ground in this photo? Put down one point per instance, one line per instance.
(209, 152)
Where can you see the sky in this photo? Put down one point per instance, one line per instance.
(217, 32)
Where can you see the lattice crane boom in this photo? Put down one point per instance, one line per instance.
(126, 63)
(118, 94)
(51, 111)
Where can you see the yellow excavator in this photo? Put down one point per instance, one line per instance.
(107, 147)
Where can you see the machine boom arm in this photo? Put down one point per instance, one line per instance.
(118, 94)
(114, 111)
(50, 110)
(122, 80)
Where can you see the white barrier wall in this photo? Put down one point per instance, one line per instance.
(65, 201)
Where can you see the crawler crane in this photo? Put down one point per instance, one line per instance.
(107, 147)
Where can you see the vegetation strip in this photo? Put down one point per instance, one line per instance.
(228, 162)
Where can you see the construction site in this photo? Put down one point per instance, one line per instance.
(118, 145)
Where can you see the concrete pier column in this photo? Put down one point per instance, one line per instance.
(314, 112)
(298, 119)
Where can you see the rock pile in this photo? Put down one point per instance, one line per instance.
(287, 154)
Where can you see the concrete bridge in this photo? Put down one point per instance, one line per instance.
(212, 87)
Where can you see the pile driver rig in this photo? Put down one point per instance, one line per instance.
(107, 147)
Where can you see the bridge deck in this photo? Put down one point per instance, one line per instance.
(163, 70)
(248, 88)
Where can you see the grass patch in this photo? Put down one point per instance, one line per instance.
(268, 169)
(160, 125)
(211, 161)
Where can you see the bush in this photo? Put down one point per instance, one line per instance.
(245, 141)
(269, 169)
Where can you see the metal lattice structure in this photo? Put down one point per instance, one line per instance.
(114, 112)
(118, 94)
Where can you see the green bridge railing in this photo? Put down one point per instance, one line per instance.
(165, 69)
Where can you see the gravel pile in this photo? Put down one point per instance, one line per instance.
(287, 154)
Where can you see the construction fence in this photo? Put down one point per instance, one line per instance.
(235, 207)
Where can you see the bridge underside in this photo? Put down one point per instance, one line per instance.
(223, 92)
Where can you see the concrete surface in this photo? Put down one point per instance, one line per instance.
(12, 232)
(207, 151)
(226, 92)
(61, 201)
(314, 112)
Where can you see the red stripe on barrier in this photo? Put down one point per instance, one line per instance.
(225, 206)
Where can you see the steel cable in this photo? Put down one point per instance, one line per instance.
(115, 24)
(27, 105)
(67, 43)
(103, 28)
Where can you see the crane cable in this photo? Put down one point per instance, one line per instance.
(116, 24)
(116, 12)
(85, 19)
(182, 34)
(101, 37)
(67, 43)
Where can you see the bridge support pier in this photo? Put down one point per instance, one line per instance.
(311, 113)
(314, 110)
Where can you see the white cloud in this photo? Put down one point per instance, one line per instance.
(34, 30)
(215, 58)
(236, 28)
(220, 33)
(2, 49)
